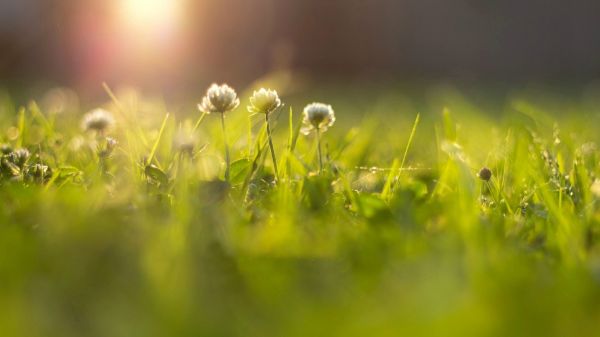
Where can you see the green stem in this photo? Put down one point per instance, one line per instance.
(227, 162)
(319, 150)
(271, 147)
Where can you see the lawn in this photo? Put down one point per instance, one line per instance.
(438, 213)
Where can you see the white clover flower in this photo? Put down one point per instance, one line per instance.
(317, 116)
(219, 98)
(264, 101)
(596, 188)
(98, 120)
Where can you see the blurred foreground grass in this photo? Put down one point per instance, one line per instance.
(149, 241)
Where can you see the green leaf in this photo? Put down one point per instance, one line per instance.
(156, 174)
(68, 171)
(239, 170)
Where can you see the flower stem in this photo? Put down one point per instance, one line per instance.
(227, 163)
(319, 150)
(271, 147)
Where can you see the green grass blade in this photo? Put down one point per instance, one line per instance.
(155, 146)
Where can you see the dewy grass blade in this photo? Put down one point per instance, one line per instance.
(409, 143)
(387, 188)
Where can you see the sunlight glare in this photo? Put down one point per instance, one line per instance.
(149, 15)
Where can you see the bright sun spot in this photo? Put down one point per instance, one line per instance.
(150, 15)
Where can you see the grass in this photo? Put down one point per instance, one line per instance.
(397, 235)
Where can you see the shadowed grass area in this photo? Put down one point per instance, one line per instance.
(133, 232)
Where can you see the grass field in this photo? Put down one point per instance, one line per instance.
(138, 234)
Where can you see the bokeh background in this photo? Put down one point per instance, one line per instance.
(175, 46)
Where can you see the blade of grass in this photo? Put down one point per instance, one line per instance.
(197, 125)
(122, 110)
(295, 136)
(387, 188)
(155, 146)
(113, 97)
(37, 114)
(408, 144)
(410, 139)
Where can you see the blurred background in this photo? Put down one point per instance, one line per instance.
(174, 46)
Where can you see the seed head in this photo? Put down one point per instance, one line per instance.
(485, 174)
(219, 98)
(98, 120)
(317, 116)
(264, 101)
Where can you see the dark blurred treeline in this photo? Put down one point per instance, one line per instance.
(72, 41)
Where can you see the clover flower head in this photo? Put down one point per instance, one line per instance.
(219, 98)
(264, 101)
(98, 120)
(20, 156)
(317, 116)
(13, 162)
(39, 173)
